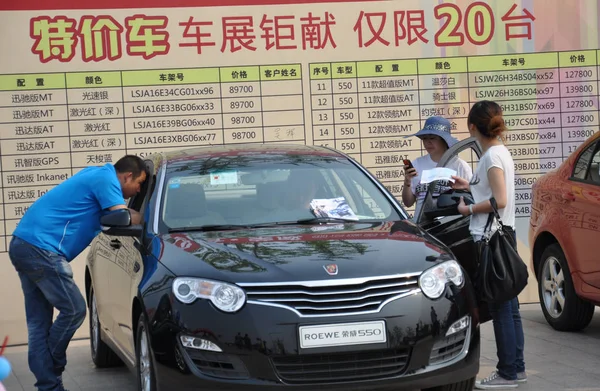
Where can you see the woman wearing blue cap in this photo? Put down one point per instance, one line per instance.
(436, 141)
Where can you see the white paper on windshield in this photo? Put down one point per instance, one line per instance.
(223, 178)
(336, 208)
(436, 174)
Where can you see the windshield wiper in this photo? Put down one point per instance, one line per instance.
(307, 221)
(317, 220)
(228, 227)
(206, 228)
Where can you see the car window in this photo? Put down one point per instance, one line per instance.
(580, 171)
(364, 198)
(137, 201)
(593, 174)
(259, 192)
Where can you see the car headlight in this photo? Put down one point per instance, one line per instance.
(433, 281)
(226, 297)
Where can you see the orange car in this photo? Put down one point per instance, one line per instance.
(564, 237)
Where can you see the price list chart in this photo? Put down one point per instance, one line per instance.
(52, 125)
(368, 108)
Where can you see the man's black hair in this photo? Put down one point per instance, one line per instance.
(131, 163)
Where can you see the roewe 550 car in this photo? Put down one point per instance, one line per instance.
(283, 267)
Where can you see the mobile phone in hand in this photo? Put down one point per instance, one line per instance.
(408, 163)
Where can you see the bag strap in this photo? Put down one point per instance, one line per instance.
(488, 225)
(495, 207)
(491, 216)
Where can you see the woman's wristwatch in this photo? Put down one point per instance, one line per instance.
(470, 208)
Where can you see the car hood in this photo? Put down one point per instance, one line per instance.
(296, 253)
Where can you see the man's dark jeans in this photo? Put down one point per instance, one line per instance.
(508, 330)
(47, 282)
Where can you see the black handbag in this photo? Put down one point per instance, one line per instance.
(502, 274)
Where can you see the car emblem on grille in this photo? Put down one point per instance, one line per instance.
(331, 269)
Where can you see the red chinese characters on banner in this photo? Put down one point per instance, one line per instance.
(526, 20)
(196, 34)
(102, 38)
(316, 33)
(55, 38)
(276, 32)
(410, 25)
(146, 36)
(476, 25)
(374, 31)
(238, 33)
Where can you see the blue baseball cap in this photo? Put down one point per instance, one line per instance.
(438, 126)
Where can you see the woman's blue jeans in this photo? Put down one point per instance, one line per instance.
(508, 331)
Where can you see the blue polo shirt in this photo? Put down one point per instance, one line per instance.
(67, 218)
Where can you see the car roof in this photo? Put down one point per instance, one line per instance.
(231, 150)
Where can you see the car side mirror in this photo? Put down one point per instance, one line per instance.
(447, 203)
(118, 223)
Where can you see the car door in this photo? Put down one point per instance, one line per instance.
(102, 259)
(448, 226)
(581, 202)
(452, 230)
(128, 271)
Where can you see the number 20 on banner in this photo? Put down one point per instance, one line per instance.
(478, 24)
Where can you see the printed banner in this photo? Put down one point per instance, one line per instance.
(82, 86)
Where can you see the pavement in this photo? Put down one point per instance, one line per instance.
(555, 361)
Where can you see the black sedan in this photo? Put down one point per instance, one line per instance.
(261, 267)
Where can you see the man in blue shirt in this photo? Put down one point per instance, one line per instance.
(53, 231)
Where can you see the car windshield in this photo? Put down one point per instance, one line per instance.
(261, 189)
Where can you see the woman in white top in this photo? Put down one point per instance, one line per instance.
(495, 176)
(436, 141)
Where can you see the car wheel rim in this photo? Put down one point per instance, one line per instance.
(144, 362)
(553, 287)
(95, 325)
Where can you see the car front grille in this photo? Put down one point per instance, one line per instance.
(448, 348)
(333, 297)
(341, 367)
(219, 365)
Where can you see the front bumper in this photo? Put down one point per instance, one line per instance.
(261, 351)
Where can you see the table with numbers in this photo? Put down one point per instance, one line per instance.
(368, 108)
(52, 125)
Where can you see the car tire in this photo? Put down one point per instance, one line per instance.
(102, 355)
(465, 385)
(146, 379)
(554, 285)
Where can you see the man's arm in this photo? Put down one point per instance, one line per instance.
(136, 217)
